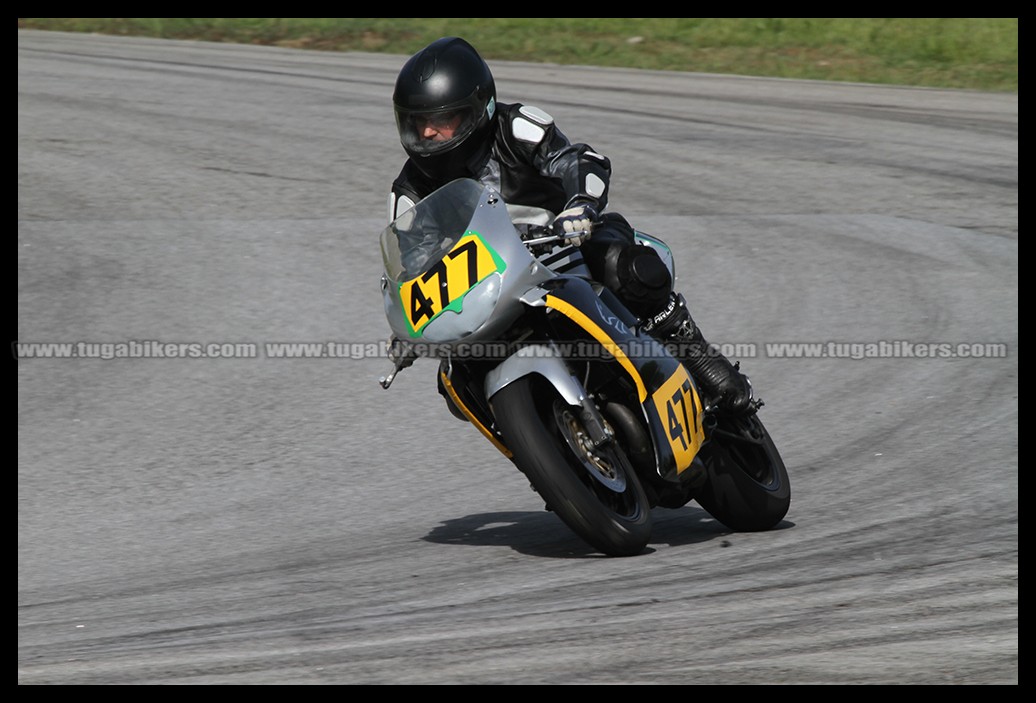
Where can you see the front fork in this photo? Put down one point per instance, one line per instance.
(546, 361)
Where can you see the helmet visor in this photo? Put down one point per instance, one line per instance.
(435, 131)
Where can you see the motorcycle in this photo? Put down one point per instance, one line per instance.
(555, 372)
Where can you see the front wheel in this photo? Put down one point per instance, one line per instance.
(747, 487)
(594, 490)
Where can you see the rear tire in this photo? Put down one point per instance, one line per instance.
(594, 491)
(747, 488)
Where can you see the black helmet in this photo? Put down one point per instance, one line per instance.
(446, 83)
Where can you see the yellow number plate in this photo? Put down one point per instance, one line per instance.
(680, 408)
(444, 285)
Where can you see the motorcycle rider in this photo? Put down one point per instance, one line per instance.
(451, 126)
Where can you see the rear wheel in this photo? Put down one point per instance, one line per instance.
(747, 488)
(594, 490)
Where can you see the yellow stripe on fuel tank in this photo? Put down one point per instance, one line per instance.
(579, 317)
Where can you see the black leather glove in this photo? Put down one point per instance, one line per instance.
(577, 217)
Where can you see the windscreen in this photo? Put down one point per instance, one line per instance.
(419, 237)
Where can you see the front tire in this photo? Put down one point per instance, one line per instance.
(593, 490)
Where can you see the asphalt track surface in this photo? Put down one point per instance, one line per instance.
(264, 520)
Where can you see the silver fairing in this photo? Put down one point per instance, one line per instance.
(418, 244)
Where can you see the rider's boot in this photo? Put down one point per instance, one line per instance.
(724, 386)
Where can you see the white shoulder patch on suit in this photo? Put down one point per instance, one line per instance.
(594, 185)
(536, 115)
(527, 131)
(401, 205)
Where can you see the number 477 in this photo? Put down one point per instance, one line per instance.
(680, 430)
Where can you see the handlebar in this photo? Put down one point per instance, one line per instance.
(538, 236)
